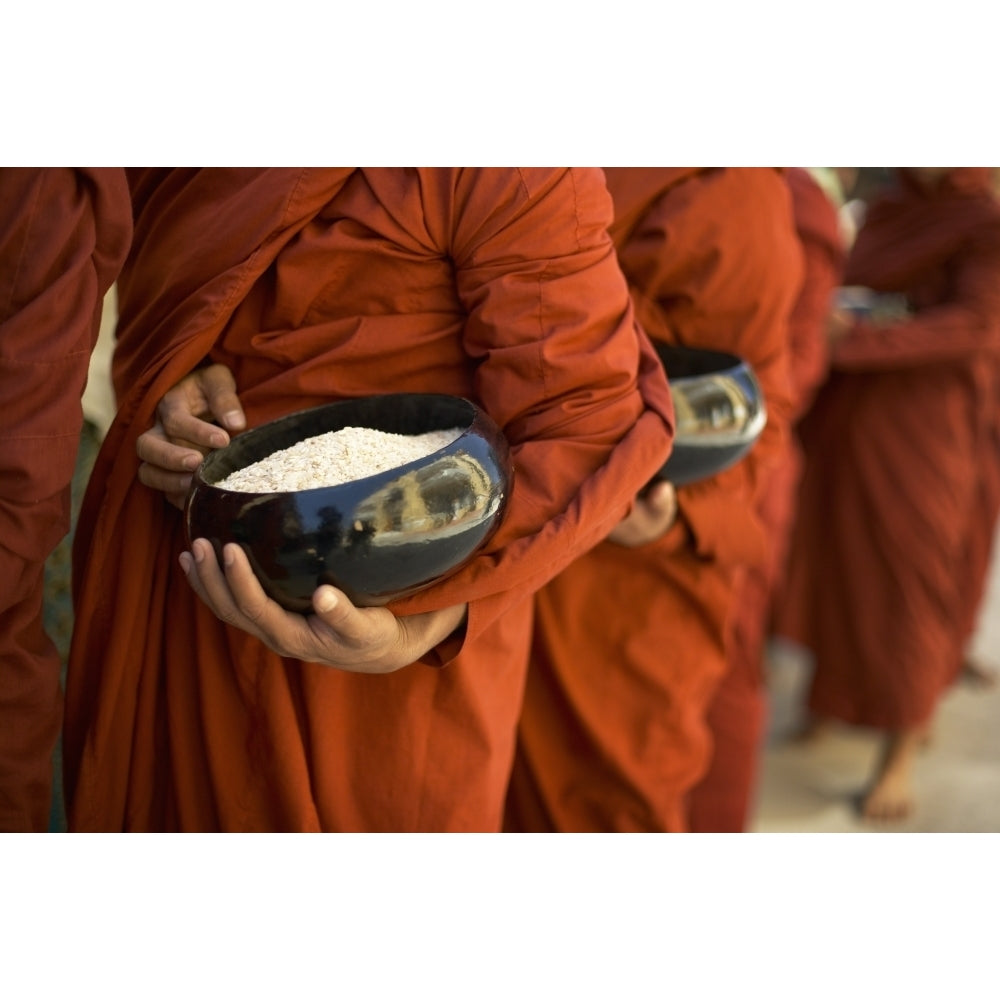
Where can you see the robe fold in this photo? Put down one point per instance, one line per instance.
(630, 643)
(722, 800)
(63, 236)
(312, 285)
(901, 469)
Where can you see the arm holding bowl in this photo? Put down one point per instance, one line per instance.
(363, 640)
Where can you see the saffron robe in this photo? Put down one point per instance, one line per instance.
(722, 800)
(630, 643)
(63, 237)
(901, 461)
(500, 285)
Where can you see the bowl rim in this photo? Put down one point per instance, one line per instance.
(476, 415)
(729, 363)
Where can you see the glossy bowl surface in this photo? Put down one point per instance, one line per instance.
(719, 409)
(376, 538)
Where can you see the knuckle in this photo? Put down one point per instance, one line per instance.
(219, 377)
(252, 612)
(173, 425)
(298, 651)
(166, 407)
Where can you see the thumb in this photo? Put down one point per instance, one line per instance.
(662, 496)
(334, 608)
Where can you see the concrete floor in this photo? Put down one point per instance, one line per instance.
(814, 787)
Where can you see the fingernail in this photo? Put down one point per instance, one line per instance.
(234, 419)
(326, 600)
(185, 561)
(197, 551)
(227, 555)
(191, 461)
(218, 439)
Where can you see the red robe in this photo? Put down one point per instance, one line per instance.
(630, 644)
(311, 285)
(720, 803)
(902, 462)
(63, 237)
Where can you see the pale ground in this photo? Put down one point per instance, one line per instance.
(957, 782)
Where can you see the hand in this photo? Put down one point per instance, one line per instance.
(838, 325)
(175, 445)
(651, 517)
(359, 640)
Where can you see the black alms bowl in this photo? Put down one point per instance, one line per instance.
(376, 538)
(719, 410)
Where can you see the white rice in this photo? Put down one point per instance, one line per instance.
(334, 458)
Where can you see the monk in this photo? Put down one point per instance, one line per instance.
(901, 471)
(737, 718)
(630, 641)
(63, 236)
(196, 704)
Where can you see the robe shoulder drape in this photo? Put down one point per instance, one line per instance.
(63, 237)
(311, 285)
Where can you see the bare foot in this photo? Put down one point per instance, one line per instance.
(976, 674)
(890, 798)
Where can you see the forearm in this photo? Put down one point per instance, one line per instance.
(566, 374)
(937, 336)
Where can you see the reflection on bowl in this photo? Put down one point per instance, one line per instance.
(376, 538)
(719, 409)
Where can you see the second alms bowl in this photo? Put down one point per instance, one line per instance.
(719, 409)
(376, 538)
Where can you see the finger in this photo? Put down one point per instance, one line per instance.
(334, 608)
(662, 496)
(356, 634)
(181, 423)
(248, 596)
(190, 568)
(285, 632)
(174, 456)
(219, 387)
(177, 499)
(212, 587)
(174, 485)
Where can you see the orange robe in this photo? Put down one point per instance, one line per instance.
(63, 237)
(900, 453)
(311, 285)
(630, 644)
(720, 802)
